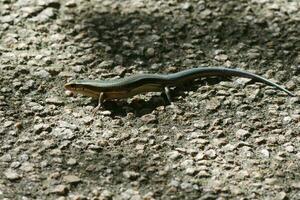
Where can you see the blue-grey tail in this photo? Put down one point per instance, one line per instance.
(195, 73)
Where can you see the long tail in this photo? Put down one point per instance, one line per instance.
(191, 74)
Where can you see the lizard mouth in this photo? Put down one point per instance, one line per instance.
(75, 88)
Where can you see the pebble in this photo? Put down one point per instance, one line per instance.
(60, 189)
(8, 124)
(106, 194)
(221, 57)
(265, 153)
(38, 128)
(296, 184)
(289, 148)
(42, 74)
(131, 175)
(106, 64)
(11, 175)
(71, 179)
(24, 157)
(149, 118)
(190, 171)
(45, 15)
(242, 134)
(150, 52)
(199, 156)
(213, 104)
(7, 19)
(203, 174)
(242, 81)
(54, 100)
(71, 3)
(281, 196)
(27, 167)
(6, 158)
(15, 164)
(173, 155)
(71, 161)
(287, 120)
(211, 153)
(88, 119)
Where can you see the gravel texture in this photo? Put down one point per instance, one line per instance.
(220, 139)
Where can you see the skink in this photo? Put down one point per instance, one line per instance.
(142, 83)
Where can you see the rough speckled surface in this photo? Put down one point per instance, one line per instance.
(220, 138)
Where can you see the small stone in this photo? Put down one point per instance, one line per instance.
(140, 147)
(265, 153)
(38, 128)
(173, 155)
(150, 52)
(290, 85)
(271, 181)
(203, 174)
(71, 3)
(296, 184)
(105, 113)
(187, 163)
(15, 164)
(11, 175)
(128, 45)
(281, 196)
(253, 54)
(200, 124)
(60, 189)
(106, 63)
(71, 179)
(186, 185)
(7, 19)
(221, 57)
(289, 148)
(49, 3)
(149, 118)
(242, 134)
(186, 6)
(42, 74)
(106, 194)
(211, 153)
(45, 15)
(229, 147)
(174, 183)
(199, 156)
(69, 93)
(54, 100)
(6, 158)
(242, 81)
(24, 157)
(77, 68)
(287, 120)
(27, 167)
(72, 161)
(88, 119)
(64, 124)
(8, 124)
(260, 140)
(213, 104)
(131, 175)
(190, 171)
